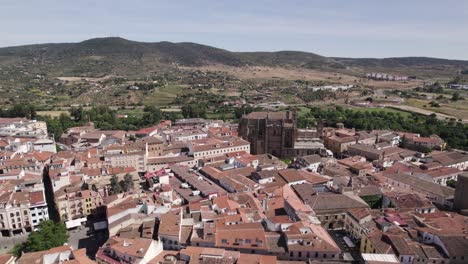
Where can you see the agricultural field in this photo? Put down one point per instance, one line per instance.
(56, 113)
(458, 109)
(380, 109)
(164, 96)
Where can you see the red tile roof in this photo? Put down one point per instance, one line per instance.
(36, 197)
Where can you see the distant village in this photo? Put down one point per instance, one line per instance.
(387, 77)
(258, 191)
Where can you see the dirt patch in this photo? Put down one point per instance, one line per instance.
(89, 79)
(260, 72)
(52, 113)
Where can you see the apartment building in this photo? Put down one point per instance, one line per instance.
(73, 203)
(211, 147)
(21, 212)
(128, 250)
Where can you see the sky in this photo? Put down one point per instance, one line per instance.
(338, 28)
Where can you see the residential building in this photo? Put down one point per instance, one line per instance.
(126, 250)
(434, 192)
(22, 211)
(56, 255)
(213, 147)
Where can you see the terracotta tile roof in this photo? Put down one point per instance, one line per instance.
(42, 156)
(4, 143)
(20, 197)
(80, 257)
(161, 257)
(421, 184)
(330, 201)
(311, 159)
(313, 178)
(359, 213)
(455, 245)
(169, 224)
(441, 172)
(291, 175)
(36, 197)
(223, 202)
(212, 144)
(252, 235)
(133, 247)
(38, 257)
(7, 258)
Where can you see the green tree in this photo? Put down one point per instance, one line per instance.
(77, 113)
(456, 96)
(49, 235)
(434, 104)
(115, 186)
(152, 115)
(452, 183)
(127, 183)
(194, 111)
(20, 110)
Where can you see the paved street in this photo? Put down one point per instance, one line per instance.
(78, 238)
(337, 236)
(7, 243)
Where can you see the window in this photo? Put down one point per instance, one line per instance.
(248, 241)
(224, 241)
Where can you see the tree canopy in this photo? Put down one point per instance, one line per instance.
(20, 110)
(194, 111)
(453, 132)
(49, 235)
(115, 185)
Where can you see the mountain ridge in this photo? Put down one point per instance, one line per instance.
(115, 50)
